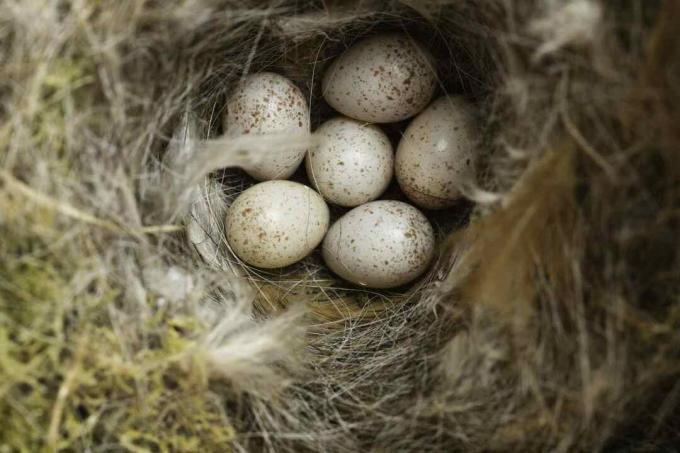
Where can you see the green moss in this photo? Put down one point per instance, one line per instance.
(72, 377)
(79, 366)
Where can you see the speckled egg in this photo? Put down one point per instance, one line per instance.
(437, 153)
(352, 162)
(276, 223)
(381, 244)
(266, 103)
(382, 79)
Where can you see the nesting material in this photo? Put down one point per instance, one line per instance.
(549, 319)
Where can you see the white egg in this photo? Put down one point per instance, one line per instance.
(266, 103)
(381, 244)
(276, 223)
(352, 162)
(382, 79)
(437, 153)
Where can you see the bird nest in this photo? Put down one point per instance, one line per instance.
(548, 321)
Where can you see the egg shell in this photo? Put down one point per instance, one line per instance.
(381, 244)
(352, 163)
(266, 103)
(276, 223)
(437, 153)
(382, 79)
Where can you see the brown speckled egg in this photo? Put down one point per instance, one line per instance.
(266, 103)
(352, 163)
(276, 223)
(437, 153)
(381, 244)
(382, 79)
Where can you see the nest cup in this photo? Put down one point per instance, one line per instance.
(496, 313)
(464, 67)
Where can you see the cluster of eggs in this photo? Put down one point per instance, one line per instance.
(379, 243)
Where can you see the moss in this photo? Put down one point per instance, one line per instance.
(69, 380)
(77, 369)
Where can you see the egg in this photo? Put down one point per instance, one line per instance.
(352, 162)
(380, 244)
(266, 103)
(382, 79)
(437, 153)
(276, 223)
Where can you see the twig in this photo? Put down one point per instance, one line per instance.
(62, 395)
(18, 187)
